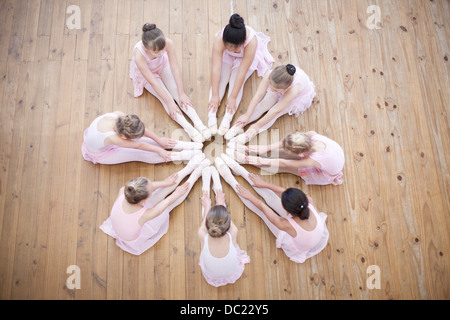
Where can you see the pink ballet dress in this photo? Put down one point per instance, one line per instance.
(307, 243)
(129, 235)
(332, 160)
(155, 66)
(305, 98)
(93, 148)
(226, 270)
(263, 59)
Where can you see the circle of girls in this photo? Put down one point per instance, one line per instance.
(140, 214)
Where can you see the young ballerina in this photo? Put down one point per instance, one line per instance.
(221, 260)
(154, 67)
(299, 228)
(140, 214)
(284, 90)
(117, 138)
(237, 52)
(315, 158)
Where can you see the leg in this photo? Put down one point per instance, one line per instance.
(231, 180)
(226, 121)
(161, 193)
(171, 85)
(224, 79)
(197, 173)
(270, 197)
(269, 100)
(206, 183)
(180, 119)
(123, 155)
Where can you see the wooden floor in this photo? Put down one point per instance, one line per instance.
(382, 93)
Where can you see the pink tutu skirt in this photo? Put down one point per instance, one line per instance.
(243, 258)
(149, 234)
(96, 157)
(316, 176)
(303, 101)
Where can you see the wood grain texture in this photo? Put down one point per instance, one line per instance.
(382, 93)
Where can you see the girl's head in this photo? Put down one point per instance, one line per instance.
(299, 143)
(130, 126)
(153, 38)
(295, 202)
(218, 221)
(234, 34)
(281, 77)
(137, 190)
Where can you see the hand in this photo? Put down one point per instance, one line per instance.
(214, 104)
(243, 192)
(174, 111)
(166, 155)
(171, 180)
(251, 132)
(220, 198)
(206, 200)
(167, 143)
(242, 121)
(231, 105)
(185, 102)
(181, 190)
(256, 149)
(257, 180)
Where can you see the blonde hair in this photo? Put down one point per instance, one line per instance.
(130, 126)
(218, 221)
(136, 190)
(282, 76)
(297, 143)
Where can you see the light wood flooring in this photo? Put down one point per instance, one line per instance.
(382, 93)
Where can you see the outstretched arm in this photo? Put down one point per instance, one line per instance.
(163, 205)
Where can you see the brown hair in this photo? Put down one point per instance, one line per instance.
(136, 190)
(218, 221)
(130, 126)
(297, 143)
(152, 37)
(282, 76)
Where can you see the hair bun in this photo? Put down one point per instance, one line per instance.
(290, 69)
(237, 22)
(148, 27)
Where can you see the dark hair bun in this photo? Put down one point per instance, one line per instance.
(148, 27)
(290, 69)
(236, 21)
(295, 202)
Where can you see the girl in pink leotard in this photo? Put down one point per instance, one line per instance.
(117, 138)
(237, 52)
(284, 90)
(154, 67)
(315, 158)
(291, 216)
(221, 260)
(140, 214)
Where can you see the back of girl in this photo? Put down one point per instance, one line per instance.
(309, 225)
(221, 260)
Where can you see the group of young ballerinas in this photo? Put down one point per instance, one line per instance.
(140, 214)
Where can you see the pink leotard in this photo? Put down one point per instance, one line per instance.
(155, 65)
(307, 243)
(225, 270)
